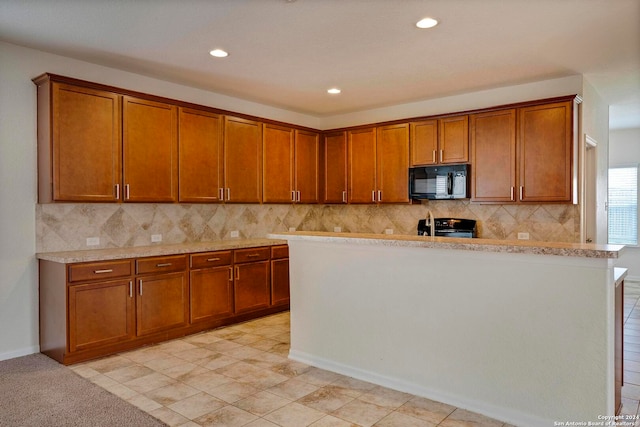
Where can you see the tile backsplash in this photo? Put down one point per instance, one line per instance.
(61, 227)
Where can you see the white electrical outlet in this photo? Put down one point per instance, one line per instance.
(292, 229)
(156, 238)
(235, 233)
(388, 231)
(337, 229)
(93, 241)
(523, 236)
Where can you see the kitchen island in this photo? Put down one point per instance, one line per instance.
(520, 331)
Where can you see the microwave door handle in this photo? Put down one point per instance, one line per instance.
(449, 183)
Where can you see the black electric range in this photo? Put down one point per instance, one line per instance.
(449, 227)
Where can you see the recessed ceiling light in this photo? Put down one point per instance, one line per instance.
(218, 53)
(427, 23)
(334, 91)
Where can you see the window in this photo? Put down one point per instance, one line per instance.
(623, 205)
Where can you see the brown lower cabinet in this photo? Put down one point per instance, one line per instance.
(251, 280)
(89, 310)
(280, 275)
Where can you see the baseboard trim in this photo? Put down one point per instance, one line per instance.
(19, 353)
(497, 412)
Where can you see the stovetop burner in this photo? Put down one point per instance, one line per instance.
(449, 227)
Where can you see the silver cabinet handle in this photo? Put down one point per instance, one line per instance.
(344, 197)
(213, 259)
(293, 196)
(434, 156)
(237, 273)
(253, 255)
(521, 192)
(103, 271)
(512, 195)
(221, 193)
(230, 274)
(163, 264)
(228, 194)
(441, 155)
(127, 193)
(130, 289)
(117, 191)
(373, 196)
(379, 195)
(298, 196)
(140, 282)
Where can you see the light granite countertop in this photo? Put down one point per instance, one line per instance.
(69, 257)
(484, 245)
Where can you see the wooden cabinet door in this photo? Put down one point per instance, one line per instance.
(200, 156)
(251, 286)
(362, 165)
(211, 294)
(86, 144)
(493, 156)
(307, 152)
(335, 168)
(424, 143)
(277, 178)
(150, 148)
(453, 139)
(100, 313)
(280, 281)
(162, 303)
(545, 151)
(242, 160)
(392, 150)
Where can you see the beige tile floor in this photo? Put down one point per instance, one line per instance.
(631, 362)
(240, 376)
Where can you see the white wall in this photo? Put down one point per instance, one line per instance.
(624, 149)
(469, 101)
(18, 285)
(595, 123)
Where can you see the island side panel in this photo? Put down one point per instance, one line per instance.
(523, 338)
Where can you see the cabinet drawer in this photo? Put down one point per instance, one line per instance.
(99, 270)
(251, 254)
(278, 252)
(211, 259)
(162, 264)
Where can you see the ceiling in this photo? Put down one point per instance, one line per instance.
(288, 53)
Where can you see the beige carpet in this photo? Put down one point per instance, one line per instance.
(37, 391)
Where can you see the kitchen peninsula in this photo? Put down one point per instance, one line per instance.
(521, 331)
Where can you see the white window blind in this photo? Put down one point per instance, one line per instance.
(623, 205)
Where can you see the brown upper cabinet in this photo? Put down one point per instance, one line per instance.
(335, 167)
(307, 157)
(278, 164)
(361, 165)
(79, 143)
(392, 152)
(378, 164)
(546, 152)
(290, 165)
(98, 143)
(242, 160)
(440, 141)
(200, 156)
(524, 155)
(493, 156)
(150, 150)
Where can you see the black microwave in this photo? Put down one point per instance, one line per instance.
(439, 182)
